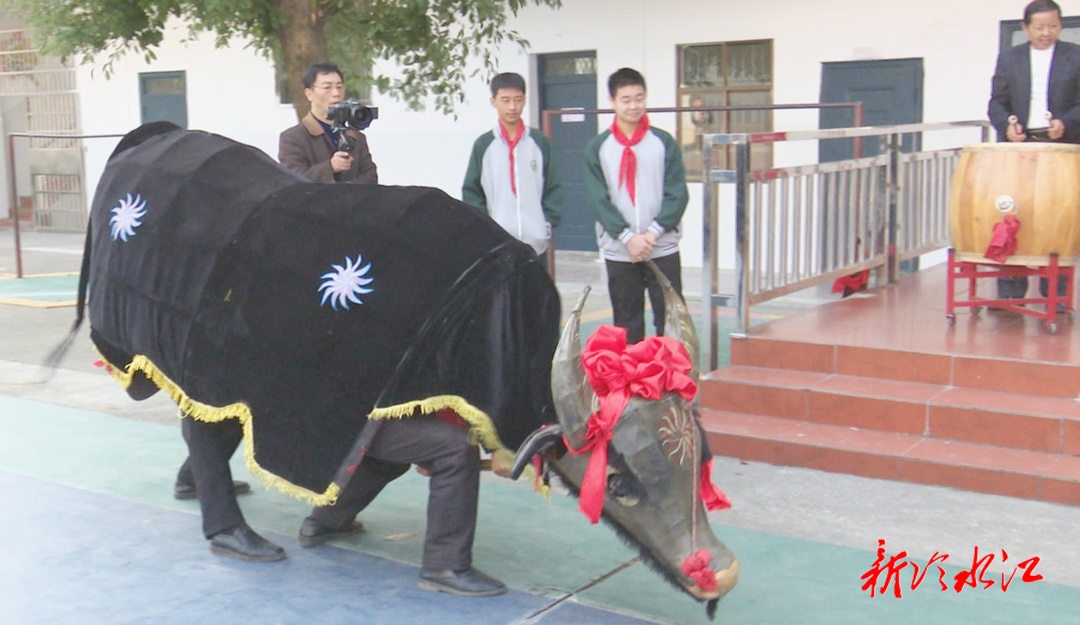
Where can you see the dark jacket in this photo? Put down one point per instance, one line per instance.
(306, 150)
(1011, 90)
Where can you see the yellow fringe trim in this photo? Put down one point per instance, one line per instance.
(481, 428)
(215, 414)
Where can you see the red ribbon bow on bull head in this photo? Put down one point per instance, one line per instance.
(617, 371)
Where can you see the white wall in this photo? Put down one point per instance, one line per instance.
(958, 40)
(13, 119)
(231, 91)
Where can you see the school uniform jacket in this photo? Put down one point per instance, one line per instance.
(661, 190)
(527, 213)
(1011, 90)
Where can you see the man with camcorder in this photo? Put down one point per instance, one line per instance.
(328, 145)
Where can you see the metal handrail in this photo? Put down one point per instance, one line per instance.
(709, 215)
(887, 196)
(13, 196)
(839, 133)
(856, 107)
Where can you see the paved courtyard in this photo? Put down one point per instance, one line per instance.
(89, 531)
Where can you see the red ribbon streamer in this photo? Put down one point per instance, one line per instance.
(616, 371)
(1003, 240)
(713, 497)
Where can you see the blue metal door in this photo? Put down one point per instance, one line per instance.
(891, 92)
(568, 80)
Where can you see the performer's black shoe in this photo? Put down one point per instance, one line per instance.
(242, 543)
(187, 491)
(468, 583)
(313, 533)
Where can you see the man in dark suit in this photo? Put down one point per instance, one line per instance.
(1038, 83)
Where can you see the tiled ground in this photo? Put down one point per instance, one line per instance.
(89, 532)
(91, 535)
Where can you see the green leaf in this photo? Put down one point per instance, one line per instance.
(433, 41)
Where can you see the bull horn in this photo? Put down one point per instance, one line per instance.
(536, 443)
(678, 324)
(574, 397)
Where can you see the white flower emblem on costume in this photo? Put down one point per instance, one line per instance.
(126, 216)
(346, 283)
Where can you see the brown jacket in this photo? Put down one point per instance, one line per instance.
(306, 150)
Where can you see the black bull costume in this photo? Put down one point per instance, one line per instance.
(306, 310)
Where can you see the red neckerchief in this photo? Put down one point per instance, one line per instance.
(628, 164)
(512, 143)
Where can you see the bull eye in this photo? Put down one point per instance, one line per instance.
(624, 489)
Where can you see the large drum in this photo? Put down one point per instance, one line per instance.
(1037, 182)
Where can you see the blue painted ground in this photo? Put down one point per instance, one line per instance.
(89, 533)
(73, 556)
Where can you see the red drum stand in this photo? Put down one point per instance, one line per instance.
(1044, 308)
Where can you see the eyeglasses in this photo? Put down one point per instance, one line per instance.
(337, 86)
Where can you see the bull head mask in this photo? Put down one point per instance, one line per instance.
(654, 461)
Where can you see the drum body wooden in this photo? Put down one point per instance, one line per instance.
(1042, 180)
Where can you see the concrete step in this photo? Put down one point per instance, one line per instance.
(1043, 476)
(1014, 420)
(1025, 374)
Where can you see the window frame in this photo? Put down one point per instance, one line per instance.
(1011, 27)
(723, 157)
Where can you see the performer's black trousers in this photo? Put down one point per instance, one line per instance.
(443, 450)
(627, 283)
(210, 445)
(1016, 287)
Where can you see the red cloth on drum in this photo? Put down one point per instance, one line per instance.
(1003, 240)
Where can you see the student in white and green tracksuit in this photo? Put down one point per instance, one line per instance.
(636, 185)
(510, 173)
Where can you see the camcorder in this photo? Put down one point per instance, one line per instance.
(350, 114)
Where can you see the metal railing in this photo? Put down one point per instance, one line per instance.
(796, 227)
(47, 189)
(856, 109)
(24, 70)
(547, 115)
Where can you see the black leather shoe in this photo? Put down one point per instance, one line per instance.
(313, 533)
(242, 543)
(187, 491)
(468, 583)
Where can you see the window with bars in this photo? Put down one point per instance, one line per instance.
(724, 74)
(59, 202)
